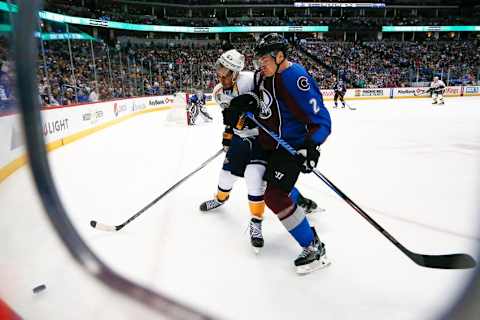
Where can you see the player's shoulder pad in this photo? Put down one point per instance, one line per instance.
(298, 77)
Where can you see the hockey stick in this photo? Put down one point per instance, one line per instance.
(420, 92)
(447, 261)
(106, 227)
(350, 107)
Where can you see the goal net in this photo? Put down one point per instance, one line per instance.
(178, 114)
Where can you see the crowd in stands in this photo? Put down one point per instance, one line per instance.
(395, 64)
(135, 70)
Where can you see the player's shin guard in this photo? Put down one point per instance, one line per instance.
(292, 217)
(313, 255)
(225, 185)
(440, 99)
(256, 189)
(294, 220)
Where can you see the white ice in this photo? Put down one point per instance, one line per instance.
(412, 166)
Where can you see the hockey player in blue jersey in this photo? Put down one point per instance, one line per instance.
(292, 106)
(196, 106)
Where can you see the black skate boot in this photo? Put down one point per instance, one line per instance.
(313, 256)
(308, 205)
(212, 204)
(256, 237)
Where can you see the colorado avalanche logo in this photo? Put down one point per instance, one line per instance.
(265, 104)
(303, 84)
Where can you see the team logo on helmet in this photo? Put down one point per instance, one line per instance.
(265, 104)
(303, 84)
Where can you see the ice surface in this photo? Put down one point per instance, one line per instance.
(412, 166)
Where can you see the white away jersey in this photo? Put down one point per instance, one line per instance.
(243, 84)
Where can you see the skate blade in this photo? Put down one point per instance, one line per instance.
(256, 250)
(318, 209)
(323, 262)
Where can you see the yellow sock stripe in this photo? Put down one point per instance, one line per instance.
(227, 135)
(257, 208)
(222, 195)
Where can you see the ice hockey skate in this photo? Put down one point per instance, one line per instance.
(256, 237)
(308, 205)
(211, 204)
(313, 257)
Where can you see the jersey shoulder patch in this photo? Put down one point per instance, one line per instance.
(303, 83)
(298, 75)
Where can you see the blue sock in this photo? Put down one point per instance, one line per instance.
(294, 195)
(298, 226)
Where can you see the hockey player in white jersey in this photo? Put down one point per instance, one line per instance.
(437, 88)
(244, 156)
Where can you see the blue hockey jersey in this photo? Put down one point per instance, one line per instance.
(293, 107)
(196, 99)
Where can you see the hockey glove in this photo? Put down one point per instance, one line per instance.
(308, 157)
(230, 116)
(247, 102)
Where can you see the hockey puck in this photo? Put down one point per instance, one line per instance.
(39, 288)
(93, 223)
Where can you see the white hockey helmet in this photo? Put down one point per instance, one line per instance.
(435, 78)
(232, 60)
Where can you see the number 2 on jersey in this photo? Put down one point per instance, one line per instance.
(314, 104)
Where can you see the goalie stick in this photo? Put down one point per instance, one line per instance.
(106, 227)
(446, 261)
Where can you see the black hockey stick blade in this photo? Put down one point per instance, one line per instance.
(105, 227)
(447, 261)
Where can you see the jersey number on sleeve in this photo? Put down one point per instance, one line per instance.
(314, 104)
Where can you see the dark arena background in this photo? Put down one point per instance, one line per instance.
(113, 138)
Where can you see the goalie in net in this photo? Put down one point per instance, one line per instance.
(196, 107)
